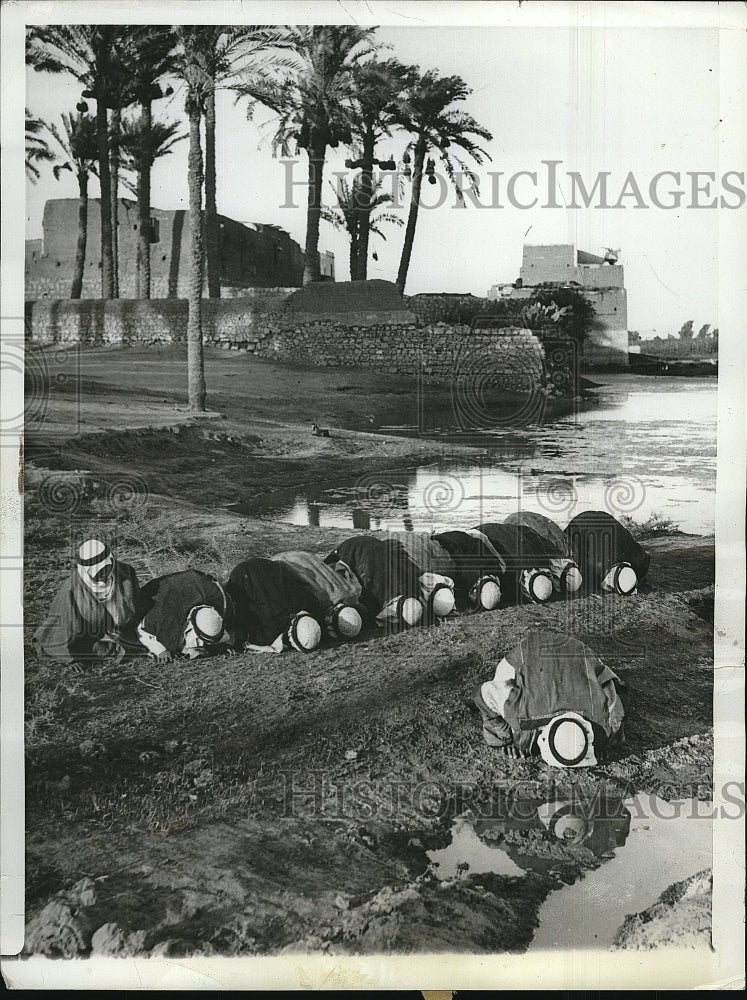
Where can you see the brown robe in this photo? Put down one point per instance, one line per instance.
(77, 621)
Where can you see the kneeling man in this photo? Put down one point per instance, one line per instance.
(338, 594)
(390, 581)
(184, 613)
(611, 560)
(551, 694)
(93, 614)
(275, 607)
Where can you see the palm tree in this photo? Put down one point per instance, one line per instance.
(37, 150)
(426, 112)
(79, 143)
(347, 216)
(143, 141)
(193, 70)
(115, 130)
(376, 89)
(143, 55)
(313, 103)
(155, 58)
(225, 52)
(197, 67)
(95, 55)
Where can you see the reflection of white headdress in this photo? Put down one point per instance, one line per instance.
(566, 821)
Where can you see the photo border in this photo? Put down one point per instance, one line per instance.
(724, 968)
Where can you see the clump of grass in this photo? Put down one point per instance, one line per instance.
(655, 526)
(157, 544)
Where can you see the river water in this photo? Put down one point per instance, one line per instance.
(643, 446)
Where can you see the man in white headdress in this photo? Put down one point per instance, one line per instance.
(553, 696)
(94, 612)
(338, 593)
(436, 585)
(185, 613)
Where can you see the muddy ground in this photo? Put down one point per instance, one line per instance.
(254, 804)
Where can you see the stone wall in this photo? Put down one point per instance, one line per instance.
(96, 322)
(510, 358)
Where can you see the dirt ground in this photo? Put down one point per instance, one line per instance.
(252, 804)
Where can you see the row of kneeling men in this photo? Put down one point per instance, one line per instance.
(293, 600)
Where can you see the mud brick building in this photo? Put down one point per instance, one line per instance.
(602, 283)
(252, 255)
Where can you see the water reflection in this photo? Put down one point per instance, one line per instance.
(637, 451)
(611, 855)
(667, 842)
(532, 834)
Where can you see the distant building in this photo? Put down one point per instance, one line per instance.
(601, 281)
(252, 255)
(327, 265)
(503, 291)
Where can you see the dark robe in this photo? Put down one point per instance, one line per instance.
(557, 673)
(266, 595)
(425, 552)
(598, 542)
(522, 548)
(330, 588)
(555, 541)
(383, 568)
(77, 621)
(470, 558)
(165, 604)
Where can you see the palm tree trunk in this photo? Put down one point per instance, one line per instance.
(102, 133)
(143, 202)
(80, 250)
(313, 213)
(195, 355)
(354, 246)
(366, 191)
(412, 218)
(114, 138)
(212, 230)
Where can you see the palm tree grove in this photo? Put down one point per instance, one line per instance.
(328, 86)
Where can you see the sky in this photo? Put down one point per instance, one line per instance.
(615, 99)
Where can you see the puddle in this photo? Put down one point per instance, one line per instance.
(614, 856)
(468, 855)
(599, 457)
(668, 842)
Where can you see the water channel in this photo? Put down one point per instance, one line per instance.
(641, 446)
